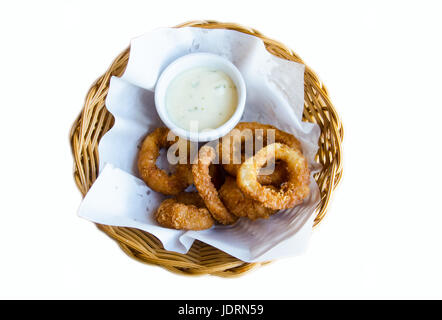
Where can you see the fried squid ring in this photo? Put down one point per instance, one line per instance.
(241, 205)
(239, 134)
(206, 189)
(185, 215)
(156, 178)
(291, 192)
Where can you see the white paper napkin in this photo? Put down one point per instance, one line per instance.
(275, 95)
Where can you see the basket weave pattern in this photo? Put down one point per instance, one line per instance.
(95, 120)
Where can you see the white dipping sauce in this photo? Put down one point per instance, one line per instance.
(201, 98)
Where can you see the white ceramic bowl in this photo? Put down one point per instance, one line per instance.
(191, 61)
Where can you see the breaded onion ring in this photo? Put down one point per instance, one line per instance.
(205, 187)
(183, 216)
(277, 177)
(291, 192)
(156, 178)
(241, 205)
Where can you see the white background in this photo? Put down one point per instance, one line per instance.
(381, 61)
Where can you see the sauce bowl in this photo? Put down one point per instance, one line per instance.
(195, 60)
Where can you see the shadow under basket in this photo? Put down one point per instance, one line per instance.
(95, 120)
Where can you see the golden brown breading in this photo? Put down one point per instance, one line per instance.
(206, 189)
(177, 215)
(192, 198)
(156, 178)
(241, 205)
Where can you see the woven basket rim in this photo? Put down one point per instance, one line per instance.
(94, 121)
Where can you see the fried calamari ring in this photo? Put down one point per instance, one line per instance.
(177, 215)
(156, 178)
(206, 189)
(259, 131)
(291, 192)
(241, 205)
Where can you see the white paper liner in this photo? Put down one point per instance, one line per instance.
(275, 95)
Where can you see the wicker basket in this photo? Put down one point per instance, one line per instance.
(95, 120)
